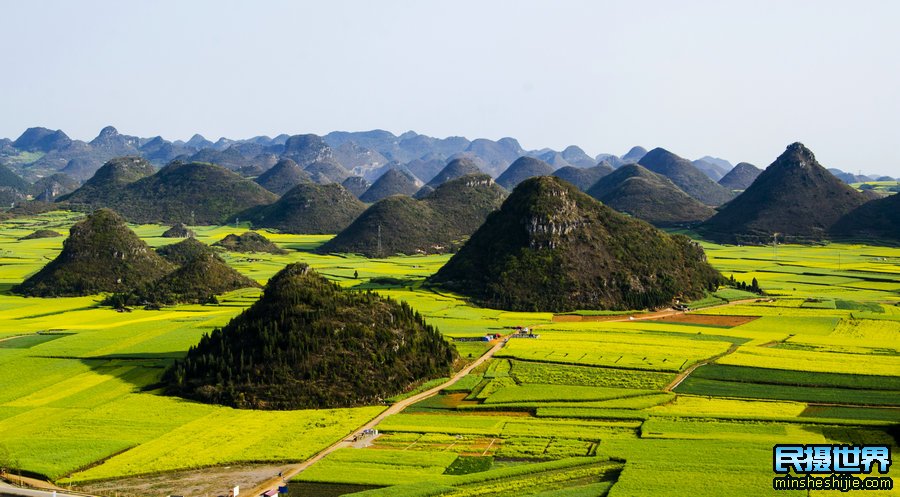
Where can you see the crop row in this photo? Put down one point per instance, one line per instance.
(701, 386)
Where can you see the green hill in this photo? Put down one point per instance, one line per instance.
(283, 176)
(649, 196)
(100, 255)
(583, 178)
(308, 208)
(741, 177)
(201, 275)
(456, 168)
(357, 185)
(249, 242)
(794, 197)
(10, 179)
(192, 193)
(48, 188)
(41, 234)
(327, 171)
(308, 343)
(392, 182)
(182, 252)
(435, 224)
(107, 184)
(178, 230)
(876, 219)
(522, 169)
(553, 248)
(686, 176)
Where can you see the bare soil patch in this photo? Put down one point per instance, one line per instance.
(209, 481)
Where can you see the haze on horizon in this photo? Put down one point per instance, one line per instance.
(737, 80)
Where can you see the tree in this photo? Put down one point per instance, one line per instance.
(754, 286)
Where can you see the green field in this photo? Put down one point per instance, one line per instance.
(582, 410)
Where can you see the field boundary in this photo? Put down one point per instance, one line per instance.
(687, 372)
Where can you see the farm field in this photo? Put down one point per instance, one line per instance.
(590, 407)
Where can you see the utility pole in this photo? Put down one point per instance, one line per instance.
(379, 241)
(775, 246)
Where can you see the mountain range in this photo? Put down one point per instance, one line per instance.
(40, 152)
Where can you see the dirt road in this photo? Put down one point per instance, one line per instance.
(292, 470)
(687, 372)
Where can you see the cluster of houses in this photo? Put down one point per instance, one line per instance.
(521, 332)
(368, 432)
(485, 338)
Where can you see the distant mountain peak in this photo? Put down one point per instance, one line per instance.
(796, 155)
(108, 132)
(635, 154)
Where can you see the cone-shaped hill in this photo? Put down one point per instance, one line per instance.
(877, 219)
(250, 241)
(327, 171)
(553, 248)
(583, 178)
(522, 169)
(109, 181)
(635, 154)
(43, 233)
(437, 223)
(283, 176)
(182, 252)
(649, 196)
(178, 230)
(357, 185)
(201, 275)
(392, 182)
(741, 177)
(48, 188)
(308, 208)
(100, 255)
(10, 179)
(195, 193)
(456, 168)
(686, 176)
(308, 343)
(794, 197)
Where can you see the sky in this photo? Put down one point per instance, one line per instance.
(733, 79)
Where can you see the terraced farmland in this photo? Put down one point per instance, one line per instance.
(588, 408)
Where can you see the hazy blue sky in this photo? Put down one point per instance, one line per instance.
(738, 80)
